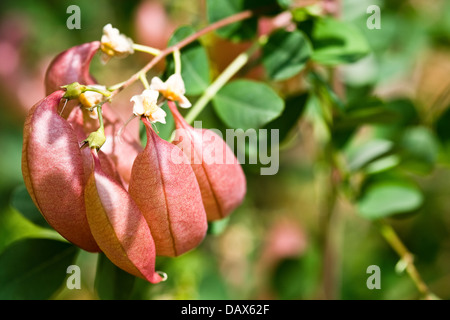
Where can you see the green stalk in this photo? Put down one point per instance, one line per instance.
(177, 61)
(146, 49)
(233, 68)
(406, 257)
(144, 81)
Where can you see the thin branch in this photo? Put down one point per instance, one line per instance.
(406, 257)
(214, 26)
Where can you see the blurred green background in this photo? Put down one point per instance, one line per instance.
(270, 246)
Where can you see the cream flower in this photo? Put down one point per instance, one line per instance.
(146, 104)
(114, 44)
(173, 89)
(90, 98)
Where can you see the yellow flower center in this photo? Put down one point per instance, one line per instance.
(171, 94)
(150, 106)
(90, 99)
(108, 48)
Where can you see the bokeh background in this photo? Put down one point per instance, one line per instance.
(269, 248)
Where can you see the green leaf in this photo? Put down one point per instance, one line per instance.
(238, 31)
(337, 42)
(111, 282)
(383, 164)
(366, 111)
(442, 125)
(14, 226)
(285, 123)
(194, 62)
(219, 226)
(419, 149)
(285, 4)
(363, 111)
(389, 197)
(285, 54)
(34, 268)
(368, 152)
(247, 104)
(164, 130)
(21, 200)
(404, 114)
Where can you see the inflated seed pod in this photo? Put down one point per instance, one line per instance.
(220, 176)
(118, 226)
(53, 171)
(164, 187)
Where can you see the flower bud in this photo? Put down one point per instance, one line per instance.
(53, 171)
(220, 176)
(73, 90)
(118, 226)
(168, 195)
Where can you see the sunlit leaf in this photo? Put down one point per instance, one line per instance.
(368, 152)
(247, 104)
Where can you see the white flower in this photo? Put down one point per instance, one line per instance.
(173, 89)
(114, 44)
(146, 104)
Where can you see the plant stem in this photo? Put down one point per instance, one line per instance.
(220, 81)
(328, 229)
(177, 61)
(100, 118)
(406, 256)
(328, 252)
(219, 24)
(102, 92)
(146, 49)
(144, 81)
(329, 226)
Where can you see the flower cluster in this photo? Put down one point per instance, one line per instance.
(129, 202)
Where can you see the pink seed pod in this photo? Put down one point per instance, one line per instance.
(52, 168)
(72, 65)
(220, 176)
(168, 195)
(118, 226)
